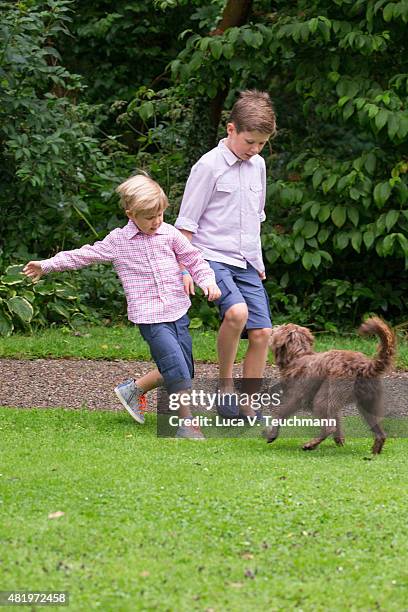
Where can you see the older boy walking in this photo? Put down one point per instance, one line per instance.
(221, 213)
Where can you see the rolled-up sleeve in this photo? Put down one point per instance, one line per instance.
(197, 194)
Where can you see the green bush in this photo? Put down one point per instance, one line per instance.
(24, 304)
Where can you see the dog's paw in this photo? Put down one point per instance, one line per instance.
(377, 446)
(309, 446)
(271, 434)
(339, 441)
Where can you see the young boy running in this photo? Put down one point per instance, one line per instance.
(221, 213)
(147, 254)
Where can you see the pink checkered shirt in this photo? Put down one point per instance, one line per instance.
(148, 267)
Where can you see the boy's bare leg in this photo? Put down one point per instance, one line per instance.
(257, 353)
(227, 342)
(255, 360)
(149, 381)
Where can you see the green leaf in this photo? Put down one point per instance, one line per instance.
(341, 240)
(388, 11)
(298, 225)
(317, 178)
(323, 235)
(329, 183)
(356, 239)
(339, 216)
(196, 323)
(12, 279)
(252, 39)
(314, 211)
(204, 42)
(372, 110)
(370, 163)
(342, 101)
(391, 218)
(325, 255)
(195, 62)
(368, 238)
(388, 244)
(382, 192)
(14, 269)
(324, 213)
(299, 244)
(43, 289)
(146, 110)
(288, 255)
(307, 260)
(6, 324)
(353, 215)
(393, 125)
(61, 310)
(228, 51)
(316, 259)
(310, 229)
(381, 118)
(311, 166)
(348, 110)
(233, 34)
(403, 240)
(284, 281)
(216, 49)
(21, 307)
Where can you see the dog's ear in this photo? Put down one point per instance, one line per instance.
(277, 344)
(308, 336)
(277, 338)
(280, 354)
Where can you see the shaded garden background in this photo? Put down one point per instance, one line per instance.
(92, 91)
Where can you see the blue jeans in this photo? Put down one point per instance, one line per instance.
(172, 351)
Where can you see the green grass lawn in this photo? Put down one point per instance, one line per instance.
(223, 525)
(126, 343)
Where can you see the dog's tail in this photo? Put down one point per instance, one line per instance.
(386, 349)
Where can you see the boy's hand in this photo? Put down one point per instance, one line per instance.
(212, 292)
(262, 275)
(33, 270)
(188, 283)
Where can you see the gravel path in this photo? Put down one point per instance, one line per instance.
(81, 383)
(78, 383)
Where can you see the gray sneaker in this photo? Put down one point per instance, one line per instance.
(132, 399)
(190, 432)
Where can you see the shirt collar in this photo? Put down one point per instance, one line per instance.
(228, 155)
(130, 230)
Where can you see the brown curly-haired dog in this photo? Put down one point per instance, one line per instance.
(325, 382)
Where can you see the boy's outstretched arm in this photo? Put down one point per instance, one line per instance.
(100, 252)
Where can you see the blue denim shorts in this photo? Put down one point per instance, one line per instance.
(172, 351)
(242, 286)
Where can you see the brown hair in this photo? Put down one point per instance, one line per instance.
(253, 111)
(140, 193)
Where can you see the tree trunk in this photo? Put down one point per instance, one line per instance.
(206, 111)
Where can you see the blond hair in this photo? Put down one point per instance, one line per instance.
(253, 111)
(140, 194)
